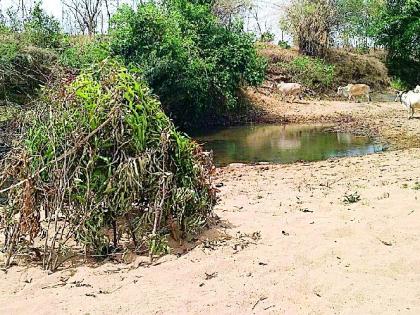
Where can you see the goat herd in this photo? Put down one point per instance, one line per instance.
(410, 99)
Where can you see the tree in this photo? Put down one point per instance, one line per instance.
(41, 29)
(312, 23)
(398, 29)
(357, 19)
(228, 10)
(86, 13)
(193, 62)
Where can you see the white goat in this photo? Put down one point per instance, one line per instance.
(293, 89)
(353, 90)
(417, 89)
(410, 100)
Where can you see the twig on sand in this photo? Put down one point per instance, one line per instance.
(259, 300)
(268, 307)
(211, 275)
(385, 242)
(61, 284)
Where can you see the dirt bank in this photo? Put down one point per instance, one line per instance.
(287, 244)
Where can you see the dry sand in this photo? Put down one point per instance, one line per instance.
(286, 243)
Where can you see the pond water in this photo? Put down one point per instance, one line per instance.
(282, 144)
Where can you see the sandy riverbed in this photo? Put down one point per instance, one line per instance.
(286, 243)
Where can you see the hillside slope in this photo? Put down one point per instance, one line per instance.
(348, 67)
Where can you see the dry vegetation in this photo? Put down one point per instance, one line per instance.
(349, 67)
(352, 67)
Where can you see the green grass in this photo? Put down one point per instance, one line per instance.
(351, 198)
(313, 73)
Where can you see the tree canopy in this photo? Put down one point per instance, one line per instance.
(192, 61)
(398, 29)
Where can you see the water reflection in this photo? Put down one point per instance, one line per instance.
(281, 144)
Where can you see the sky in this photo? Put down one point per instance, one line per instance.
(53, 7)
(269, 12)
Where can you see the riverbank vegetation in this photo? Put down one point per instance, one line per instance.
(192, 62)
(323, 75)
(101, 165)
(317, 26)
(196, 57)
(195, 64)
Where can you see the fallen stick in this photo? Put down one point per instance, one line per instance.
(259, 300)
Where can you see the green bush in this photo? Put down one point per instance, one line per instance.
(42, 30)
(195, 64)
(23, 68)
(313, 73)
(284, 44)
(398, 29)
(80, 51)
(27, 56)
(9, 45)
(398, 84)
(267, 37)
(101, 155)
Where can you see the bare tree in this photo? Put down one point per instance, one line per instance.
(86, 13)
(312, 23)
(227, 10)
(16, 13)
(22, 7)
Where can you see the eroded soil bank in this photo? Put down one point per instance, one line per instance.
(286, 243)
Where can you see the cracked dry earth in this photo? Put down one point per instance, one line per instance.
(286, 243)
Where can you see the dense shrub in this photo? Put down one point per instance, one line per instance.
(311, 23)
(398, 84)
(101, 157)
(195, 64)
(27, 55)
(42, 30)
(80, 52)
(267, 37)
(398, 29)
(23, 68)
(313, 73)
(283, 44)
